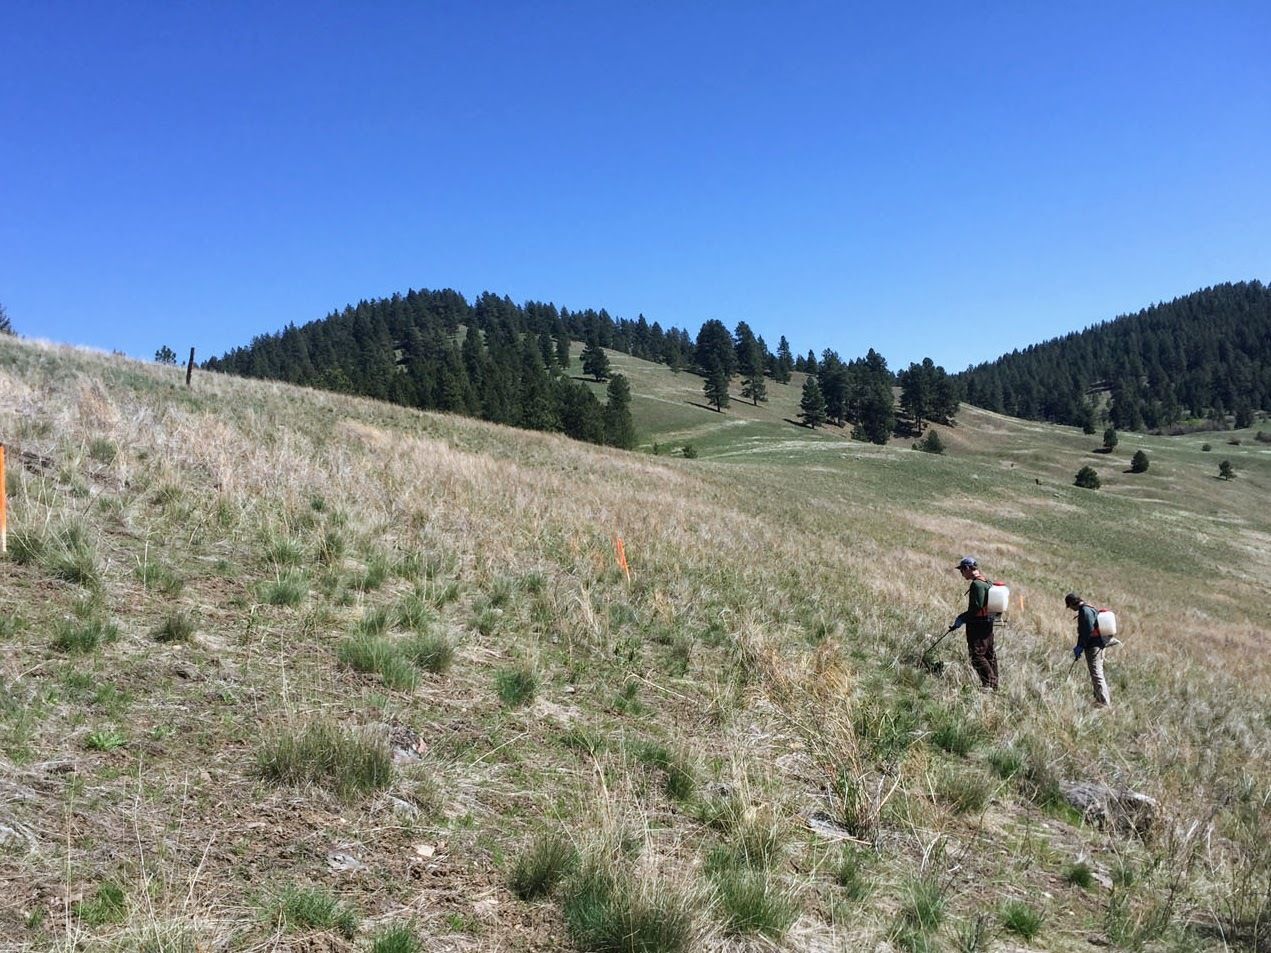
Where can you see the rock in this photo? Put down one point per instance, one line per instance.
(821, 823)
(1120, 809)
(343, 860)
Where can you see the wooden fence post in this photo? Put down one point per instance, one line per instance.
(189, 368)
(4, 507)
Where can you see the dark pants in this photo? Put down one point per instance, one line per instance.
(979, 645)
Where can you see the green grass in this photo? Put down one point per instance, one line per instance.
(160, 578)
(542, 865)
(516, 685)
(105, 740)
(178, 626)
(432, 652)
(378, 656)
(607, 913)
(108, 904)
(311, 908)
(965, 791)
(397, 939)
(751, 902)
(954, 732)
(77, 637)
(851, 873)
(1079, 875)
(289, 589)
(346, 762)
(923, 905)
(679, 773)
(1021, 919)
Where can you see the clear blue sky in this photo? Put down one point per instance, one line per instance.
(951, 180)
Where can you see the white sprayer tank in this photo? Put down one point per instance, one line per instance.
(999, 598)
(1107, 623)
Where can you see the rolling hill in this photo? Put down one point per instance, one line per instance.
(288, 669)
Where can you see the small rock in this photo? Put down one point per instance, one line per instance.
(425, 850)
(1122, 810)
(343, 860)
(402, 808)
(486, 909)
(821, 823)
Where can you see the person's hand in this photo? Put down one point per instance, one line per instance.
(1076, 652)
(957, 623)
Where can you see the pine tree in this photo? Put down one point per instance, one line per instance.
(1139, 462)
(1110, 439)
(165, 355)
(785, 362)
(595, 360)
(812, 403)
(1226, 471)
(1087, 479)
(6, 326)
(930, 443)
(750, 363)
(562, 349)
(714, 343)
(619, 427)
(716, 386)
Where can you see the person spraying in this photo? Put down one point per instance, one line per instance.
(1091, 643)
(978, 620)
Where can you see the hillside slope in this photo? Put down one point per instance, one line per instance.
(737, 740)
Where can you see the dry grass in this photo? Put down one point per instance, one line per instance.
(769, 628)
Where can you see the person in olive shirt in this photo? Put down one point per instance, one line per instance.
(979, 623)
(1092, 644)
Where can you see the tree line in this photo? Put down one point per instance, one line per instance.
(1203, 356)
(510, 364)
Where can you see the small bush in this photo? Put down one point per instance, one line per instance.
(1080, 875)
(398, 939)
(751, 903)
(374, 655)
(1206, 447)
(1021, 919)
(1234, 441)
(689, 452)
(516, 686)
(930, 443)
(342, 761)
(76, 637)
(537, 871)
(432, 651)
(1226, 471)
(605, 913)
(312, 908)
(108, 904)
(1088, 479)
(177, 627)
(289, 589)
(1262, 437)
(1110, 439)
(1139, 462)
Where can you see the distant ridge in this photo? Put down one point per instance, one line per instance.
(1202, 356)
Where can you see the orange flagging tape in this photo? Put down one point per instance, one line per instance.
(620, 553)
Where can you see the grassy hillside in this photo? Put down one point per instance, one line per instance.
(289, 670)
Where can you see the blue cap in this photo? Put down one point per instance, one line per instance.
(967, 562)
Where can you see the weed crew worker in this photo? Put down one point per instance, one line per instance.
(1090, 642)
(979, 623)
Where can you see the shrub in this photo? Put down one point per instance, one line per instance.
(74, 636)
(930, 443)
(1110, 439)
(312, 908)
(1206, 447)
(516, 685)
(1021, 919)
(177, 627)
(689, 452)
(1262, 437)
(1080, 875)
(345, 762)
(1087, 479)
(606, 913)
(752, 904)
(1234, 441)
(371, 654)
(1226, 471)
(398, 939)
(431, 651)
(1139, 462)
(537, 871)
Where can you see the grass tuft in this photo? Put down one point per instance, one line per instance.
(751, 903)
(1080, 875)
(607, 913)
(289, 589)
(311, 908)
(516, 686)
(1021, 919)
(345, 762)
(433, 652)
(397, 939)
(378, 656)
(81, 636)
(537, 871)
(108, 904)
(177, 627)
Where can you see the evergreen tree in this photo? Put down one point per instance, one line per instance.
(715, 344)
(812, 403)
(165, 355)
(930, 443)
(1110, 439)
(595, 360)
(785, 362)
(1087, 479)
(750, 364)
(716, 386)
(1139, 462)
(1226, 471)
(581, 414)
(619, 427)
(6, 326)
(562, 349)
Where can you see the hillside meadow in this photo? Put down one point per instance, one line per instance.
(290, 670)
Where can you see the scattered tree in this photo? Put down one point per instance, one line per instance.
(1087, 479)
(595, 360)
(6, 326)
(1206, 447)
(165, 355)
(619, 427)
(1226, 471)
(1110, 439)
(785, 362)
(716, 386)
(1139, 462)
(689, 451)
(812, 404)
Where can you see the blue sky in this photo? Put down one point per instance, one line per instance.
(949, 180)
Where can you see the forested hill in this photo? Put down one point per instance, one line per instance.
(1205, 355)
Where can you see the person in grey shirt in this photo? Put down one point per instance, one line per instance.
(1091, 644)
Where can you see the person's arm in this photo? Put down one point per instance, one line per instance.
(977, 598)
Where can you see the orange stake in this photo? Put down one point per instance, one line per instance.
(4, 508)
(620, 552)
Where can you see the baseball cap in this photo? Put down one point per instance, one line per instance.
(967, 562)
